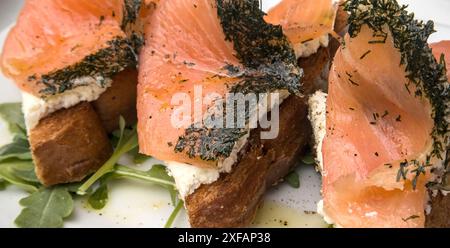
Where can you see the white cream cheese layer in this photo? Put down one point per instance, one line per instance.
(317, 115)
(326, 218)
(35, 108)
(306, 49)
(188, 177)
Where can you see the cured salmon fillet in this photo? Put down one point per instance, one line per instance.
(55, 42)
(384, 130)
(439, 217)
(304, 21)
(219, 46)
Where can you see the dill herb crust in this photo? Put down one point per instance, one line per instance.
(269, 65)
(120, 53)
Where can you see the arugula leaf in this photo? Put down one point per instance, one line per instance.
(174, 214)
(157, 175)
(160, 171)
(117, 134)
(293, 179)
(3, 184)
(308, 159)
(19, 148)
(127, 142)
(73, 187)
(45, 208)
(19, 173)
(173, 195)
(27, 174)
(12, 113)
(99, 198)
(138, 158)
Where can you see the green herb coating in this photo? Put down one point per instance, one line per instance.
(269, 65)
(120, 54)
(105, 63)
(131, 14)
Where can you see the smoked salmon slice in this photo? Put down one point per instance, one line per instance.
(56, 42)
(210, 46)
(386, 121)
(305, 21)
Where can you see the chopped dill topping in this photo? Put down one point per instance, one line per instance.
(372, 123)
(102, 18)
(399, 118)
(365, 54)
(108, 61)
(269, 64)
(306, 41)
(410, 38)
(75, 47)
(442, 62)
(377, 41)
(353, 82)
(32, 77)
(187, 63)
(379, 35)
(410, 218)
(132, 8)
(350, 78)
(419, 170)
(386, 113)
(348, 74)
(407, 88)
(120, 53)
(401, 174)
(255, 41)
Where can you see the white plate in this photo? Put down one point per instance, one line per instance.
(134, 204)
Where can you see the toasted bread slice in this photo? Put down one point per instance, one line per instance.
(118, 100)
(439, 216)
(69, 144)
(233, 200)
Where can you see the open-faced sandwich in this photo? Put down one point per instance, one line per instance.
(77, 70)
(229, 98)
(382, 131)
(222, 174)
